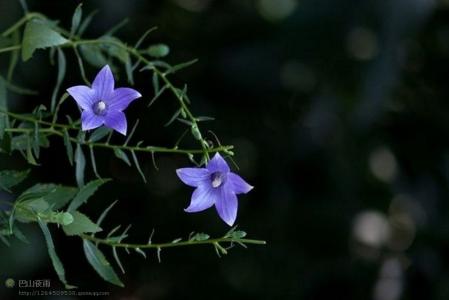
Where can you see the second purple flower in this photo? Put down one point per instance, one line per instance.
(215, 185)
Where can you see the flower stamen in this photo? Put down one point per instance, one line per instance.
(217, 179)
(100, 108)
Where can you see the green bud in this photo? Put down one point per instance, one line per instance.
(158, 50)
(66, 218)
(196, 132)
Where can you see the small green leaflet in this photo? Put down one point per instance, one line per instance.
(3, 108)
(61, 74)
(80, 161)
(119, 153)
(76, 19)
(85, 193)
(93, 55)
(81, 224)
(9, 178)
(100, 263)
(86, 22)
(38, 35)
(99, 133)
(68, 146)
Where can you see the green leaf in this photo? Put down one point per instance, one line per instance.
(36, 205)
(3, 108)
(142, 38)
(29, 154)
(173, 118)
(86, 22)
(85, 193)
(93, 55)
(80, 161)
(139, 169)
(158, 50)
(20, 142)
(99, 133)
(105, 212)
(93, 161)
(100, 264)
(119, 153)
(117, 259)
(196, 132)
(57, 196)
(9, 178)
(81, 224)
(76, 19)
(57, 265)
(60, 78)
(68, 146)
(181, 66)
(38, 35)
(115, 48)
(129, 72)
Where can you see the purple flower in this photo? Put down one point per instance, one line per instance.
(215, 184)
(102, 104)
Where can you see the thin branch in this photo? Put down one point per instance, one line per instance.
(171, 244)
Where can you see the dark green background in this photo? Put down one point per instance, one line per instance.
(317, 102)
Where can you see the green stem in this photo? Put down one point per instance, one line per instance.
(171, 245)
(21, 22)
(11, 48)
(149, 149)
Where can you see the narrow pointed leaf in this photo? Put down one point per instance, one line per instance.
(61, 74)
(93, 161)
(68, 147)
(119, 153)
(99, 133)
(3, 109)
(57, 264)
(117, 259)
(100, 264)
(105, 212)
(86, 22)
(139, 169)
(85, 193)
(76, 19)
(80, 161)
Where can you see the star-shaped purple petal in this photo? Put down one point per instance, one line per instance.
(102, 104)
(215, 185)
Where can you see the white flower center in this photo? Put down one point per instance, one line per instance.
(217, 179)
(100, 108)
